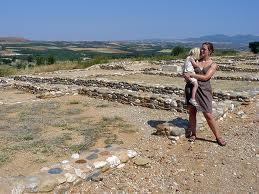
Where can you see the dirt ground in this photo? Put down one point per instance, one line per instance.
(35, 133)
(202, 166)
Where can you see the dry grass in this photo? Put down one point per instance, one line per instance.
(100, 50)
(165, 51)
(67, 65)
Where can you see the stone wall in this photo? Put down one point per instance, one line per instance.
(236, 69)
(127, 86)
(239, 78)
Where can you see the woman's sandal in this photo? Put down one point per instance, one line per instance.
(192, 138)
(221, 141)
(188, 134)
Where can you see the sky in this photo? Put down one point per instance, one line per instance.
(99, 20)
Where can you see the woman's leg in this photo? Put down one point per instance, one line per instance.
(214, 127)
(192, 119)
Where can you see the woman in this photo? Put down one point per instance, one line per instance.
(205, 69)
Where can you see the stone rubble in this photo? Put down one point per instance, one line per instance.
(65, 174)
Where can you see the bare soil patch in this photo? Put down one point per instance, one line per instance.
(36, 133)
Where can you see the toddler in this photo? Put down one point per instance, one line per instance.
(188, 66)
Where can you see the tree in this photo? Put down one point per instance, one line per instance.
(177, 50)
(30, 59)
(254, 47)
(40, 60)
(51, 60)
(21, 65)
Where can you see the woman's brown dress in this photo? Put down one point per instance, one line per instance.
(203, 94)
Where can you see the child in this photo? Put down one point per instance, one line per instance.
(190, 62)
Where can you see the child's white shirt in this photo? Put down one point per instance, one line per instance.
(187, 66)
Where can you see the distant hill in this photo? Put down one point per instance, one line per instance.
(13, 39)
(239, 42)
(220, 38)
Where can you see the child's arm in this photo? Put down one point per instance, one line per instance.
(194, 64)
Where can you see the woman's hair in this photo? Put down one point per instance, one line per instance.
(195, 52)
(210, 46)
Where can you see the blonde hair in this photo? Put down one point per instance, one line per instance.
(195, 52)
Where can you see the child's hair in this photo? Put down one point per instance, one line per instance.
(195, 52)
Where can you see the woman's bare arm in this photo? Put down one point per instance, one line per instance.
(208, 75)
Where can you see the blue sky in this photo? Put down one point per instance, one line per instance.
(126, 19)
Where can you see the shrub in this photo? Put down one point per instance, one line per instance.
(178, 50)
(254, 47)
(51, 60)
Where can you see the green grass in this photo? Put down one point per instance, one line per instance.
(74, 102)
(3, 158)
(26, 136)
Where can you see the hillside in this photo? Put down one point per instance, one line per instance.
(13, 39)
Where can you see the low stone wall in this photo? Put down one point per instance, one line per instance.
(31, 88)
(154, 101)
(112, 67)
(145, 100)
(101, 83)
(240, 78)
(128, 86)
(237, 69)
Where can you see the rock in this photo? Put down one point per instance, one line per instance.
(113, 161)
(121, 165)
(174, 138)
(80, 173)
(17, 189)
(70, 177)
(99, 164)
(55, 171)
(61, 179)
(47, 184)
(31, 184)
(175, 131)
(169, 129)
(95, 176)
(64, 162)
(62, 188)
(67, 167)
(75, 156)
(78, 181)
(141, 161)
(82, 161)
(105, 153)
(132, 153)
(123, 156)
(105, 168)
(92, 157)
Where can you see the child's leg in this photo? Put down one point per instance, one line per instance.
(194, 89)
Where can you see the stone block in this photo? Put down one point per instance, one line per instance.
(172, 68)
